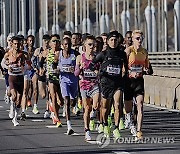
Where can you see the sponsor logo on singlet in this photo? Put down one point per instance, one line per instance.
(67, 68)
(89, 74)
(113, 69)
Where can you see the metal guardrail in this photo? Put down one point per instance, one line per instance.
(165, 59)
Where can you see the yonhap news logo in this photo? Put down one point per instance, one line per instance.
(103, 141)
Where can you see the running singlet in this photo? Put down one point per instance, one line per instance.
(16, 65)
(89, 78)
(137, 62)
(51, 66)
(67, 67)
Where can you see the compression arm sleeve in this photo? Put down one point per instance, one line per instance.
(77, 70)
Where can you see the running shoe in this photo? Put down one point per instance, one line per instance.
(76, 111)
(106, 131)
(139, 135)
(23, 116)
(7, 99)
(88, 136)
(133, 131)
(92, 125)
(116, 134)
(11, 111)
(80, 104)
(121, 124)
(70, 132)
(46, 115)
(15, 122)
(35, 110)
(100, 128)
(54, 119)
(110, 124)
(58, 124)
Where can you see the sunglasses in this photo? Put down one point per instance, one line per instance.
(91, 44)
(56, 41)
(139, 38)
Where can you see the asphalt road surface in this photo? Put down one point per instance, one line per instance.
(161, 130)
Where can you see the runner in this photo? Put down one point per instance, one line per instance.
(14, 61)
(53, 78)
(68, 81)
(138, 64)
(89, 85)
(112, 63)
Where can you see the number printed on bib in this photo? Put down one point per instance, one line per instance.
(113, 70)
(67, 68)
(137, 69)
(89, 74)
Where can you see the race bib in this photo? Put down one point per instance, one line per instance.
(137, 69)
(67, 68)
(113, 70)
(89, 74)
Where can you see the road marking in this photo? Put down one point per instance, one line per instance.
(52, 126)
(1, 106)
(37, 120)
(92, 142)
(122, 152)
(7, 110)
(74, 134)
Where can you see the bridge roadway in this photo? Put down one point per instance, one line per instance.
(36, 135)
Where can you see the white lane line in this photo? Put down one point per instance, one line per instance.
(75, 134)
(37, 120)
(7, 110)
(122, 152)
(92, 142)
(1, 106)
(52, 126)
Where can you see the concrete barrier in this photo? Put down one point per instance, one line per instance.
(163, 89)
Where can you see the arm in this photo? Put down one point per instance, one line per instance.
(78, 65)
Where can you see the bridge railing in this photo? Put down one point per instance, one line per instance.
(165, 59)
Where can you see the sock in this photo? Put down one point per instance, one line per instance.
(16, 113)
(35, 105)
(23, 110)
(69, 124)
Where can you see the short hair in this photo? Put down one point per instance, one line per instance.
(89, 37)
(46, 37)
(99, 39)
(15, 38)
(104, 34)
(68, 33)
(32, 36)
(128, 32)
(55, 35)
(21, 37)
(137, 32)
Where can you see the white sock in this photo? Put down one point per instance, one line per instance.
(69, 125)
(23, 110)
(16, 113)
(35, 105)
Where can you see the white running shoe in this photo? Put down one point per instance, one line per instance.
(133, 130)
(11, 112)
(15, 122)
(46, 115)
(70, 131)
(88, 136)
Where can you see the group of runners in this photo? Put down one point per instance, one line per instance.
(103, 75)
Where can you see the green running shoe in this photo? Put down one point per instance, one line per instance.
(116, 134)
(106, 131)
(92, 125)
(100, 128)
(121, 124)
